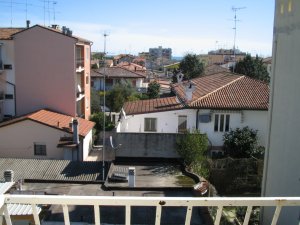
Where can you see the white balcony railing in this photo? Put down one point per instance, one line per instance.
(157, 202)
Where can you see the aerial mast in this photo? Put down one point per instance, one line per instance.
(235, 9)
(104, 108)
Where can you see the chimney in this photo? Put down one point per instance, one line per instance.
(55, 26)
(75, 131)
(64, 30)
(189, 91)
(9, 176)
(179, 77)
(27, 23)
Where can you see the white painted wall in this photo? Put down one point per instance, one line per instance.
(167, 122)
(256, 120)
(17, 140)
(282, 170)
(87, 145)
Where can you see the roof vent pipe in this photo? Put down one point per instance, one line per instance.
(75, 131)
(8, 176)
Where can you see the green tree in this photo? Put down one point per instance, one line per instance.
(242, 143)
(153, 89)
(118, 95)
(98, 119)
(192, 148)
(191, 66)
(95, 101)
(254, 68)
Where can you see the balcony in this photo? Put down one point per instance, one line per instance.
(79, 64)
(130, 205)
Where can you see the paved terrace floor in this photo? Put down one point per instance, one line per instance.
(151, 175)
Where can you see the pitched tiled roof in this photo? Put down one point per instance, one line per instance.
(214, 69)
(6, 33)
(55, 120)
(116, 72)
(226, 91)
(151, 105)
(132, 67)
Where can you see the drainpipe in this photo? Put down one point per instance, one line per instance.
(197, 118)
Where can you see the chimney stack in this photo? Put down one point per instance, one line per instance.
(189, 91)
(75, 131)
(27, 23)
(9, 176)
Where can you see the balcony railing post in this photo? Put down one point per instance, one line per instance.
(128, 215)
(276, 215)
(158, 215)
(66, 214)
(35, 215)
(7, 216)
(97, 214)
(188, 216)
(218, 216)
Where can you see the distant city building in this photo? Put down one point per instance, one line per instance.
(160, 52)
(222, 56)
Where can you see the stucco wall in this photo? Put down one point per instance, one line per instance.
(8, 75)
(17, 140)
(167, 122)
(45, 71)
(256, 120)
(87, 144)
(146, 145)
(282, 173)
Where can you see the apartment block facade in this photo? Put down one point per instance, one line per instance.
(51, 69)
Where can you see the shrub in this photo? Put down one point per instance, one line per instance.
(242, 143)
(192, 148)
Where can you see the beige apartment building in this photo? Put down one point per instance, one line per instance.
(51, 69)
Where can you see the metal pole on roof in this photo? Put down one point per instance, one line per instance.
(103, 148)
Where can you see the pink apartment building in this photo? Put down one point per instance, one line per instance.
(52, 70)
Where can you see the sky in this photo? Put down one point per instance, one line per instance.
(133, 26)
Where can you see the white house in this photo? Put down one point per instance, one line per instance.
(46, 135)
(212, 104)
(116, 75)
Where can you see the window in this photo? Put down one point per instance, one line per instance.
(222, 122)
(7, 66)
(9, 96)
(39, 149)
(150, 124)
(182, 123)
(87, 79)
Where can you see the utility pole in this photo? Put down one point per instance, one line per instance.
(104, 76)
(234, 9)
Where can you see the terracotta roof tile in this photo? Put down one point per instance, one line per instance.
(55, 120)
(6, 33)
(226, 91)
(116, 72)
(152, 105)
(214, 69)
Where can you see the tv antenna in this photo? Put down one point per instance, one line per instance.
(235, 9)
